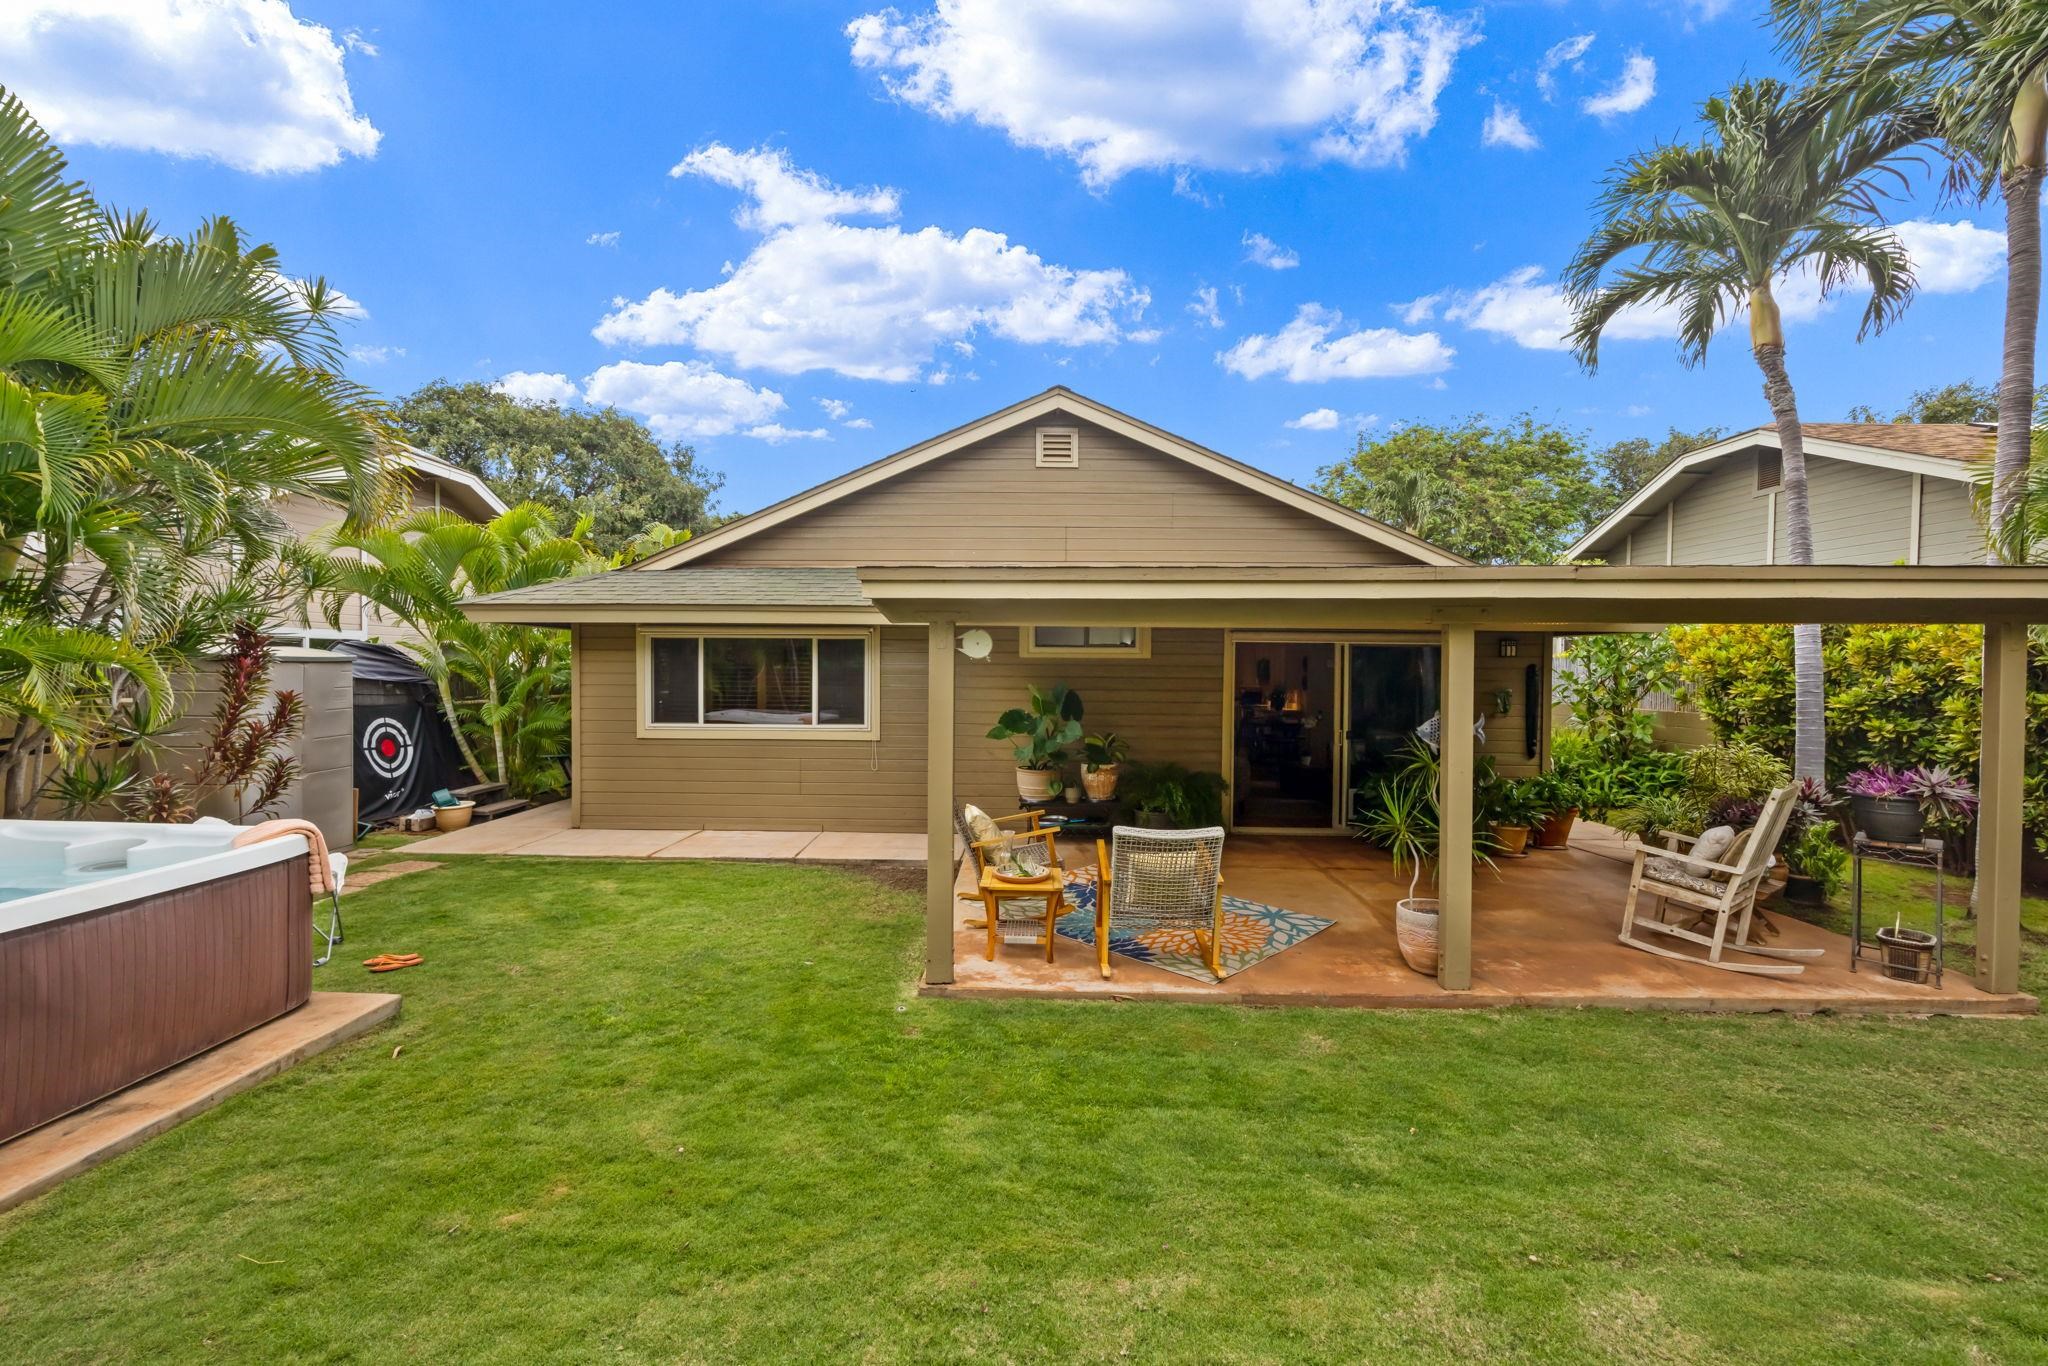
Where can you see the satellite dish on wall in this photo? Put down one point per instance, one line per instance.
(976, 644)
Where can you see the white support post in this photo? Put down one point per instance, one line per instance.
(2001, 768)
(938, 796)
(1454, 803)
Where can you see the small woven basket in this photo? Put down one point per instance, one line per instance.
(1908, 954)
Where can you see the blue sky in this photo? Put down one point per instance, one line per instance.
(802, 235)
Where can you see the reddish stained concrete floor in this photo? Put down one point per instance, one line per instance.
(1543, 933)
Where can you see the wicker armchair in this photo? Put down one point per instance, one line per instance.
(1153, 880)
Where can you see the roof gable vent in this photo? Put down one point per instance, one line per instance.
(1770, 470)
(1059, 447)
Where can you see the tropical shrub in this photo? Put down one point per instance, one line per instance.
(1606, 785)
(1604, 682)
(1186, 798)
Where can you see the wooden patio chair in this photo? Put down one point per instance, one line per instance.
(1723, 890)
(1022, 838)
(1161, 880)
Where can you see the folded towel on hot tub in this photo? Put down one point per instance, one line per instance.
(319, 874)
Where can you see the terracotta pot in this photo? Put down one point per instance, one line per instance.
(1415, 932)
(454, 817)
(1035, 784)
(1556, 830)
(1100, 782)
(1513, 839)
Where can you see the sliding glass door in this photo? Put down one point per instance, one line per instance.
(1390, 690)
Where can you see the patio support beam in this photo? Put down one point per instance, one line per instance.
(1454, 801)
(938, 798)
(2002, 766)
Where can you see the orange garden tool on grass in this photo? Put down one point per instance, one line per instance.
(392, 962)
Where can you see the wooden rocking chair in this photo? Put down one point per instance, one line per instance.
(1726, 892)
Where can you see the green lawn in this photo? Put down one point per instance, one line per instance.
(693, 1111)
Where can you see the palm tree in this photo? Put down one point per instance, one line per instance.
(1782, 183)
(420, 571)
(1982, 64)
(157, 395)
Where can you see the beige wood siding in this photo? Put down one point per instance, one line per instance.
(1170, 707)
(1949, 533)
(746, 783)
(1861, 515)
(1507, 742)
(991, 503)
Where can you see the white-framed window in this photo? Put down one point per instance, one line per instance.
(1085, 642)
(814, 685)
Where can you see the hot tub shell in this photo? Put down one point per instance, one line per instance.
(110, 981)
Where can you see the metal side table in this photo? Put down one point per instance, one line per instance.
(1928, 855)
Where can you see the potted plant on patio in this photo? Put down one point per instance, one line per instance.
(1561, 799)
(1513, 809)
(1900, 807)
(1173, 796)
(1403, 819)
(1102, 759)
(1816, 865)
(1039, 736)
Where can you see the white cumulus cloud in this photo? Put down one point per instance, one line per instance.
(1312, 348)
(867, 302)
(1569, 52)
(1634, 88)
(1262, 250)
(534, 386)
(1530, 311)
(1236, 85)
(1315, 420)
(1203, 306)
(685, 398)
(774, 433)
(243, 82)
(1951, 258)
(1504, 128)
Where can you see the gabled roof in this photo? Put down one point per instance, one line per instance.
(1943, 450)
(1061, 400)
(431, 466)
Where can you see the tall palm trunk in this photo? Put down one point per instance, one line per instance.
(455, 722)
(1809, 697)
(2022, 187)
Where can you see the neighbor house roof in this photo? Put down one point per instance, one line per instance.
(1943, 450)
(479, 503)
(1056, 399)
(698, 594)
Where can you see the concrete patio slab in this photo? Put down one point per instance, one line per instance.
(741, 844)
(866, 848)
(603, 843)
(501, 836)
(42, 1158)
(383, 872)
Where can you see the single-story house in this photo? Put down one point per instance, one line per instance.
(803, 667)
(1881, 493)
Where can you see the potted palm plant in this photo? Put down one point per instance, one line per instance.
(1039, 736)
(1403, 818)
(1102, 759)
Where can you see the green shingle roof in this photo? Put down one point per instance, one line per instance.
(694, 587)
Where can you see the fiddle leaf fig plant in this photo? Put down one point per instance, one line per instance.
(1039, 734)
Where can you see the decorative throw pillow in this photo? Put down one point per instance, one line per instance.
(1713, 843)
(979, 825)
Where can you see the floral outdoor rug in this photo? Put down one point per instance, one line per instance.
(1252, 932)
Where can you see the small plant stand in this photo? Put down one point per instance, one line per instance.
(1926, 854)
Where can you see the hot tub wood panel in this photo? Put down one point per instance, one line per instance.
(96, 1002)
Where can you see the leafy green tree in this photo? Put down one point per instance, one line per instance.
(1626, 465)
(1983, 67)
(1521, 491)
(501, 685)
(158, 395)
(1962, 401)
(1783, 181)
(603, 465)
(1604, 681)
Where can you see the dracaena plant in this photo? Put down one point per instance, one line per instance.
(1039, 734)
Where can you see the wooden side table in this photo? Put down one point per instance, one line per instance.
(994, 889)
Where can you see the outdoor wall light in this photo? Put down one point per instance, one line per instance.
(1509, 647)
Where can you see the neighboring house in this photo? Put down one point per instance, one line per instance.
(432, 483)
(744, 680)
(1881, 493)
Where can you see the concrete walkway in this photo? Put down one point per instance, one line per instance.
(545, 831)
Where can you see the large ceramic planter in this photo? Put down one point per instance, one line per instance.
(1035, 784)
(1556, 830)
(454, 817)
(1512, 839)
(1100, 782)
(1415, 932)
(1887, 820)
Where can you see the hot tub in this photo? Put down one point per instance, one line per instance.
(126, 949)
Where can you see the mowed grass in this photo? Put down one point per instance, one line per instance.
(685, 1111)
